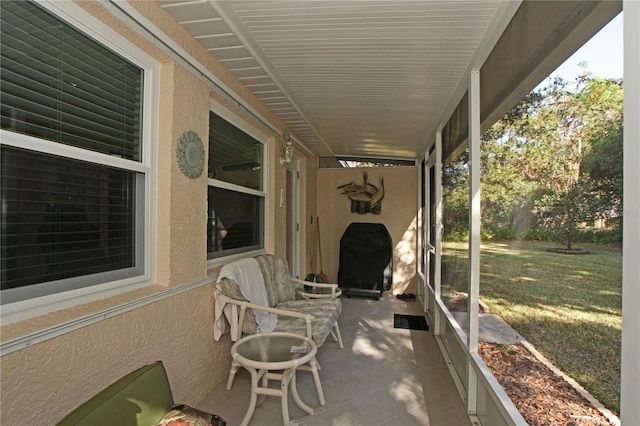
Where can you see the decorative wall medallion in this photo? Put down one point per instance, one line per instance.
(190, 153)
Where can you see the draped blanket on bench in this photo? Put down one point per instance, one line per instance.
(280, 296)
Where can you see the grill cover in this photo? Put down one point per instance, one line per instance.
(366, 258)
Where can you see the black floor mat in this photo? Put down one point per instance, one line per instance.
(412, 322)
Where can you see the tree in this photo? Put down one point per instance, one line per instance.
(511, 158)
(581, 124)
(602, 159)
(455, 194)
(555, 159)
(563, 211)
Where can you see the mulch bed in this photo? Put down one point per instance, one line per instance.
(540, 395)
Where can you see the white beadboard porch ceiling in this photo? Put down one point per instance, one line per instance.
(365, 78)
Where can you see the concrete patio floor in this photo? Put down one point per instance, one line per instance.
(383, 376)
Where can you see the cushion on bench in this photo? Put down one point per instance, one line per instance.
(325, 311)
(281, 295)
(141, 397)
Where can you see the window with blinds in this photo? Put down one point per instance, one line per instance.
(66, 223)
(235, 195)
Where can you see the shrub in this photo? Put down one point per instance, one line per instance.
(608, 236)
(538, 235)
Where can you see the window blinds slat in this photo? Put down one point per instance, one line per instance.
(24, 82)
(63, 86)
(104, 202)
(69, 134)
(72, 269)
(101, 126)
(234, 156)
(35, 28)
(48, 69)
(106, 127)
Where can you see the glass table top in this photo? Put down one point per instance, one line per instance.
(271, 347)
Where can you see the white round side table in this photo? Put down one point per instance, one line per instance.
(262, 353)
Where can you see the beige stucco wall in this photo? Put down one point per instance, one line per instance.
(399, 207)
(41, 383)
(44, 381)
(182, 213)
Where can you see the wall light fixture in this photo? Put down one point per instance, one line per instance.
(287, 154)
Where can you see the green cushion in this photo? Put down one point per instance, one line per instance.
(139, 398)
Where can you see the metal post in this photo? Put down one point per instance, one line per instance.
(474, 235)
(630, 374)
(437, 273)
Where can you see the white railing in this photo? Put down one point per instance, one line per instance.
(493, 405)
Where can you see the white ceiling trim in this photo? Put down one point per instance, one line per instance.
(148, 30)
(361, 78)
(226, 12)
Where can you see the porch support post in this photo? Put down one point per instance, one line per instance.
(630, 373)
(474, 236)
(437, 273)
(423, 206)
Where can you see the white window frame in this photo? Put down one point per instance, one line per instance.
(96, 29)
(241, 124)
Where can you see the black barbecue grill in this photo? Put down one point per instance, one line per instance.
(366, 260)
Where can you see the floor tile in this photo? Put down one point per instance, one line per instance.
(383, 376)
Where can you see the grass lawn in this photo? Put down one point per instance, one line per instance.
(568, 306)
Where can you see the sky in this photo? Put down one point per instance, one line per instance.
(603, 54)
